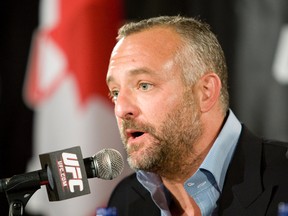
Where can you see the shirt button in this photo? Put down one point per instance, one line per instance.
(190, 184)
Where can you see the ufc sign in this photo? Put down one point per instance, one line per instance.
(67, 174)
(72, 167)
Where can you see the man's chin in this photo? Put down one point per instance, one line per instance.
(137, 164)
(133, 164)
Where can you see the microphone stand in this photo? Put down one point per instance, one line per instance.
(20, 188)
(18, 201)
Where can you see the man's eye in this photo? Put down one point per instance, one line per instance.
(145, 86)
(113, 95)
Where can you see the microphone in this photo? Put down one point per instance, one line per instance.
(65, 174)
(106, 164)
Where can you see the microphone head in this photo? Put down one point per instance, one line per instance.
(108, 163)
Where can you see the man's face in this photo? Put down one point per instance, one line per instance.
(157, 115)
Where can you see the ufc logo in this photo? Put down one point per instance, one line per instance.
(72, 166)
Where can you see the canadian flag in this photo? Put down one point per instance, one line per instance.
(65, 85)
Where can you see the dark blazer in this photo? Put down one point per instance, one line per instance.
(256, 182)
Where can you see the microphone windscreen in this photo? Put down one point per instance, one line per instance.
(108, 163)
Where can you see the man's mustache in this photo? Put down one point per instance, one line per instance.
(137, 126)
(131, 124)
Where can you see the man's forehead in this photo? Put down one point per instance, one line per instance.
(134, 72)
(153, 49)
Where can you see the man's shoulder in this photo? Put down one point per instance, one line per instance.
(275, 144)
(272, 150)
(273, 155)
(257, 176)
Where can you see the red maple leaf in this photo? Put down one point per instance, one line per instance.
(86, 34)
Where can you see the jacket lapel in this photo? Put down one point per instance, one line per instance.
(243, 193)
(142, 203)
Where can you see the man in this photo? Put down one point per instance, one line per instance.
(168, 79)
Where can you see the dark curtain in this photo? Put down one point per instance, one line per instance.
(18, 19)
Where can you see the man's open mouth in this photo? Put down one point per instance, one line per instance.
(137, 134)
(134, 134)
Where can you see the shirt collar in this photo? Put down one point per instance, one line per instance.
(219, 156)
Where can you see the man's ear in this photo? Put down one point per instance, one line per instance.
(209, 87)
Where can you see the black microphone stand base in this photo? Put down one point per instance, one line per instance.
(18, 201)
(20, 188)
(16, 208)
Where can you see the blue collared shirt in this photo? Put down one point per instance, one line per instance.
(206, 184)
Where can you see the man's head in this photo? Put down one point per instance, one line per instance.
(199, 53)
(163, 77)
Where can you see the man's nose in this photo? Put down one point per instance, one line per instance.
(126, 106)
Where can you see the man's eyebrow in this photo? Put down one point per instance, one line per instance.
(132, 73)
(109, 79)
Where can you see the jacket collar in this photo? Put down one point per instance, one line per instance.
(243, 190)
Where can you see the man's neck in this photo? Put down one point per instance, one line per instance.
(182, 204)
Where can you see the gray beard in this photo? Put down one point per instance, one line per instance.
(171, 155)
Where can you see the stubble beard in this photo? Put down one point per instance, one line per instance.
(170, 153)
